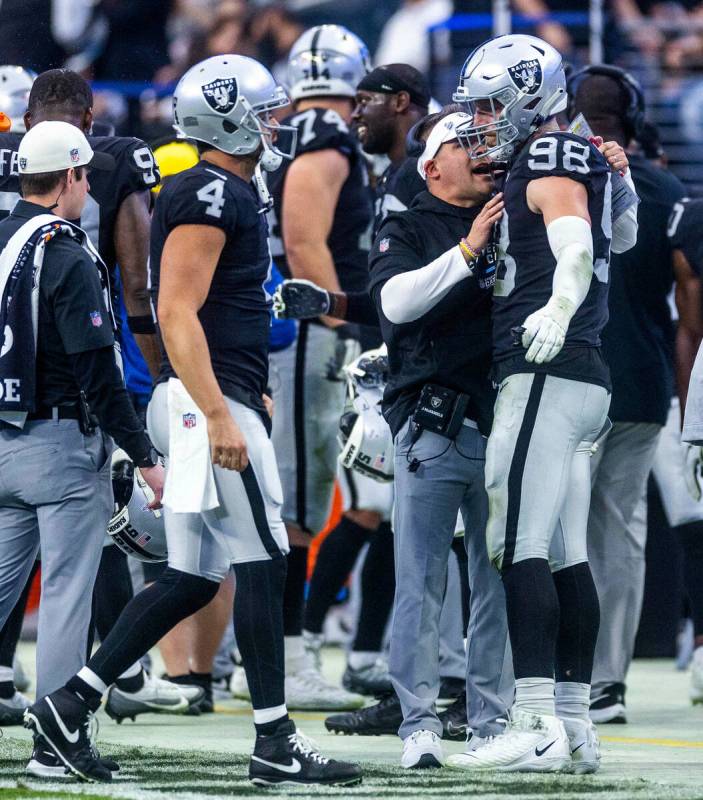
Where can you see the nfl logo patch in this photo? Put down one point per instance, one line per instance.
(75, 156)
(384, 244)
(96, 319)
(189, 420)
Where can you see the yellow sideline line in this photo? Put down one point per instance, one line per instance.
(614, 739)
(643, 740)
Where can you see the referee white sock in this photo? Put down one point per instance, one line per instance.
(535, 695)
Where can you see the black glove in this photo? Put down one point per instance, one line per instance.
(300, 299)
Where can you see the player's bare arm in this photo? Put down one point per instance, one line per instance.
(188, 263)
(690, 328)
(563, 205)
(306, 226)
(132, 250)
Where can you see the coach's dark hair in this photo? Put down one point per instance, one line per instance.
(60, 90)
(42, 183)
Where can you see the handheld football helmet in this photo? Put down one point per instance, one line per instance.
(15, 85)
(327, 60)
(365, 438)
(134, 527)
(519, 81)
(225, 101)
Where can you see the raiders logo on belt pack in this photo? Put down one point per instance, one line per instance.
(221, 94)
(527, 75)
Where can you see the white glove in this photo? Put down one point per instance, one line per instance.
(693, 473)
(545, 330)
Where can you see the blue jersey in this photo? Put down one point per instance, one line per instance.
(526, 262)
(235, 316)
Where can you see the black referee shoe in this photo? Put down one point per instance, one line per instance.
(455, 725)
(64, 722)
(289, 757)
(383, 718)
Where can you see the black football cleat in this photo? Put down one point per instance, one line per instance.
(455, 724)
(44, 763)
(450, 689)
(290, 757)
(64, 722)
(608, 708)
(383, 718)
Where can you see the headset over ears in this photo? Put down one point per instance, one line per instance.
(634, 113)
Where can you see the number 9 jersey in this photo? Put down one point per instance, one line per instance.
(135, 171)
(526, 262)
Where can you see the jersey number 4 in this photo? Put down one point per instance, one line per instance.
(212, 194)
(545, 155)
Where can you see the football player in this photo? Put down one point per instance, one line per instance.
(673, 468)
(209, 261)
(637, 347)
(116, 215)
(321, 230)
(549, 308)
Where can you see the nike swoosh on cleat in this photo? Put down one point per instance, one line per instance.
(72, 737)
(292, 768)
(577, 748)
(541, 752)
(454, 729)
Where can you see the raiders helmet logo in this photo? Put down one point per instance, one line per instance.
(527, 75)
(435, 402)
(221, 94)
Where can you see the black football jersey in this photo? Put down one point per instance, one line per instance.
(135, 170)
(685, 231)
(399, 185)
(350, 238)
(526, 263)
(235, 315)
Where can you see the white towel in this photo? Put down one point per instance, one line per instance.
(190, 482)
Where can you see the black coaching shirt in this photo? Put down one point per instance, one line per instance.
(350, 238)
(72, 315)
(685, 226)
(451, 344)
(526, 269)
(235, 315)
(135, 170)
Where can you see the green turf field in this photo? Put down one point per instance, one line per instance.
(658, 755)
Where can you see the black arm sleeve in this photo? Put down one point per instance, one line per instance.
(99, 377)
(361, 309)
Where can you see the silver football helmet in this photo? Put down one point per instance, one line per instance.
(225, 101)
(134, 527)
(15, 85)
(365, 438)
(327, 60)
(516, 81)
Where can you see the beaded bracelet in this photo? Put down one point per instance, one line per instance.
(467, 250)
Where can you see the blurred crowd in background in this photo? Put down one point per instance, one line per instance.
(134, 50)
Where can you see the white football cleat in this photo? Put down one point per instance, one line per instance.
(422, 750)
(239, 686)
(584, 745)
(696, 690)
(531, 743)
(156, 696)
(307, 690)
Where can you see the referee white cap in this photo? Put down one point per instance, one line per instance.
(53, 146)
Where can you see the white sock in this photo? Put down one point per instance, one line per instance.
(573, 700)
(264, 715)
(89, 677)
(131, 672)
(535, 695)
(357, 659)
(294, 654)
